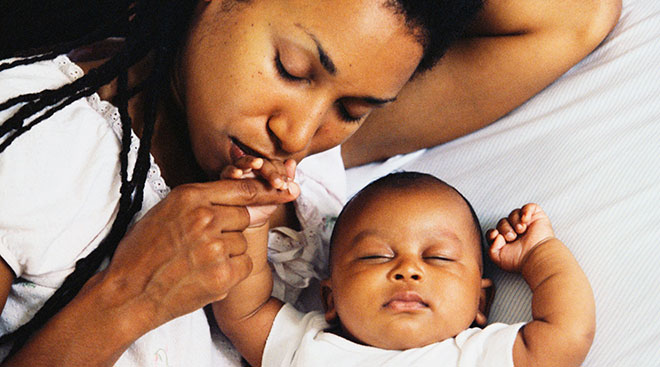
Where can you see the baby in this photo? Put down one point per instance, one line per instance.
(406, 286)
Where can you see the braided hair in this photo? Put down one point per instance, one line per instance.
(149, 27)
(154, 28)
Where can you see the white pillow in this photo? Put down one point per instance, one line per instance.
(587, 149)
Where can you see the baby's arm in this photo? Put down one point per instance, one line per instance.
(563, 305)
(247, 313)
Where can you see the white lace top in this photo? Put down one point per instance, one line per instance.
(59, 191)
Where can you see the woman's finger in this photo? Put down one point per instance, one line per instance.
(236, 192)
(239, 267)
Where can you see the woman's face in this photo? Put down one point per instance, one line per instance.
(287, 78)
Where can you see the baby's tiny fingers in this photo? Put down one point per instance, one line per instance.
(527, 212)
(231, 172)
(515, 220)
(290, 166)
(275, 173)
(504, 227)
(498, 243)
(491, 234)
(248, 162)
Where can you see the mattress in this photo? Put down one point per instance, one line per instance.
(587, 148)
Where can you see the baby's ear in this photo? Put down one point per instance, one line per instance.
(485, 301)
(328, 301)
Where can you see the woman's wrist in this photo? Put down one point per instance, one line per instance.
(95, 328)
(122, 305)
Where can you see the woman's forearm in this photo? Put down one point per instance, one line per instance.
(186, 252)
(515, 49)
(94, 329)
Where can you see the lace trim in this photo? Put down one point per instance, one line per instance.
(111, 115)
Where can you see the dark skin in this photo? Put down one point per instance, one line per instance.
(513, 51)
(528, 45)
(161, 272)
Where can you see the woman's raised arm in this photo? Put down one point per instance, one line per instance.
(514, 50)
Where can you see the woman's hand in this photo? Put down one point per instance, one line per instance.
(278, 174)
(188, 251)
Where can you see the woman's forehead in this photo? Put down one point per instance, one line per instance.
(356, 35)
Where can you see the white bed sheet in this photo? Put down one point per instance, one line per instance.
(587, 148)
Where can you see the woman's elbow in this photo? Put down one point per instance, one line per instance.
(598, 21)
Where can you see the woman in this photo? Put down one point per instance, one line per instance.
(278, 79)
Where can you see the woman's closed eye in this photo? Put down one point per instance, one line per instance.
(284, 73)
(345, 115)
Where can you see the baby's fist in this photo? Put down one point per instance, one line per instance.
(517, 234)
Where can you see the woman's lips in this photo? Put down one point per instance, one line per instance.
(239, 150)
(406, 301)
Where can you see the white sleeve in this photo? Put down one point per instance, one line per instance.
(491, 346)
(286, 335)
(59, 183)
(298, 257)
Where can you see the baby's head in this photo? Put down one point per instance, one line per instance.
(405, 264)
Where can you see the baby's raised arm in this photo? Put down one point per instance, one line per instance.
(563, 305)
(247, 313)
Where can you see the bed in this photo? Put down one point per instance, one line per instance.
(587, 148)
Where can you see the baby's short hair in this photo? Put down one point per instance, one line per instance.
(400, 180)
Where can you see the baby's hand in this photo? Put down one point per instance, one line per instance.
(278, 174)
(517, 235)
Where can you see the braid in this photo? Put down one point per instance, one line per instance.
(152, 26)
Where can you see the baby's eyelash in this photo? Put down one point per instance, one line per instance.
(375, 258)
(440, 258)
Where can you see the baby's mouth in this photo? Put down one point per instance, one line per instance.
(406, 301)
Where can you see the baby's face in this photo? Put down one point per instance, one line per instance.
(406, 268)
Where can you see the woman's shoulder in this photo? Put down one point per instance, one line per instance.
(36, 76)
(60, 179)
(65, 145)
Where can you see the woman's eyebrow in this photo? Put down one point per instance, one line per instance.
(329, 66)
(324, 58)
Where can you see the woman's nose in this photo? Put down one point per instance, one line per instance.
(407, 270)
(295, 128)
